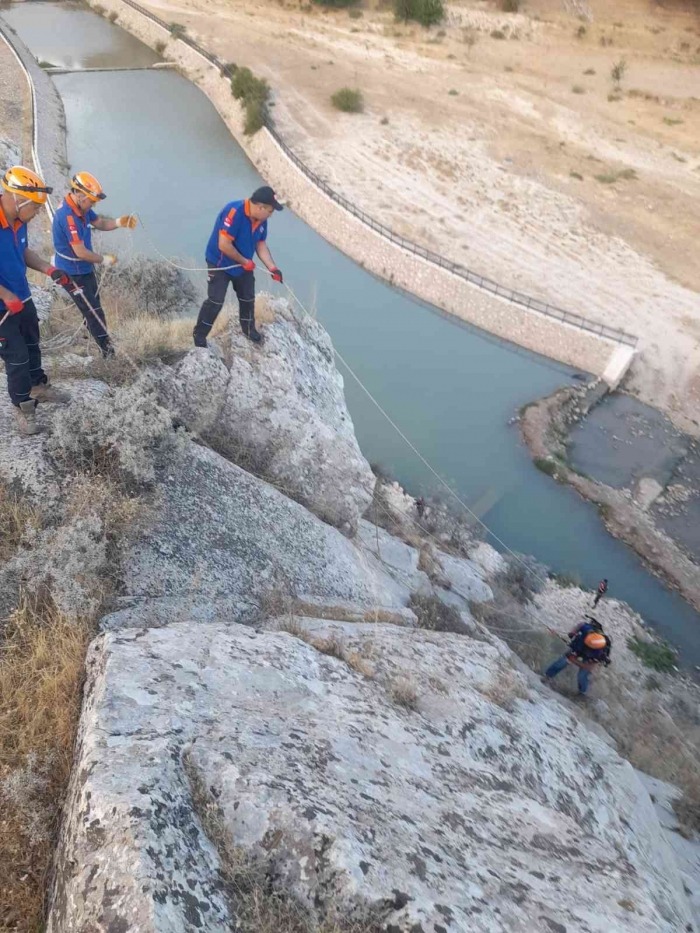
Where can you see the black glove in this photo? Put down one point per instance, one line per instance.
(276, 274)
(59, 277)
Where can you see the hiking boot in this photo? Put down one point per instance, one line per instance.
(26, 418)
(107, 350)
(200, 341)
(45, 392)
(253, 334)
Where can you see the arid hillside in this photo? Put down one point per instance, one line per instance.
(503, 141)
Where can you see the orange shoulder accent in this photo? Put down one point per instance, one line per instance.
(227, 235)
(4, 223)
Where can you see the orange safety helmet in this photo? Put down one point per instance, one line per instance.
(25, 182)
(595, 640)
(87, 184)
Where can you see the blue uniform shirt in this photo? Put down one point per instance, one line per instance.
(235, 223)
(13, 266)
(71, 226)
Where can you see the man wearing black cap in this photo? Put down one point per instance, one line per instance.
(239, 233)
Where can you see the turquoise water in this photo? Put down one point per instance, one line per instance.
(159, 147)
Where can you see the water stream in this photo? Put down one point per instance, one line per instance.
(159, 147)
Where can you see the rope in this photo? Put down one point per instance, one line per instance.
(502, 612)
(420, 456)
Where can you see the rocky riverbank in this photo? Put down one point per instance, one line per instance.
(627, 511)
(300, 695)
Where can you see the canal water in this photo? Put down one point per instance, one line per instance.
(159, 148)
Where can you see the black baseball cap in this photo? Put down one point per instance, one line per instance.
(266, 195)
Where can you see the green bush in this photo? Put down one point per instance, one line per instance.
(349, 100)
(653, 654)
(425, 12)
(355, 14)
(510, 6)
(160, 46)
(545, 465)
(177, 30)
(336, 4)
(113, 16)
(253, 93)
(497, 34)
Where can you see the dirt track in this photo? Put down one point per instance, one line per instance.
(484, 175)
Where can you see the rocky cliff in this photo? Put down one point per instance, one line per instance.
(276, 733)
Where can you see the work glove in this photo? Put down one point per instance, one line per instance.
(58, 276)
(276, 274)
(108, 260)
(14, 306)
(128, 220)
(248, 265)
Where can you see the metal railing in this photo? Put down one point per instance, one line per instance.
(525, 301)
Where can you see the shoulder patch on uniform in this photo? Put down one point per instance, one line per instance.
(228, 220)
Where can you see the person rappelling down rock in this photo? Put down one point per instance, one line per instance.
(72, 240)
(589, 647)
(240, 232)
(24, 194)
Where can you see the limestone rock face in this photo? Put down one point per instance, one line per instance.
(223, 534)
(426, 785)
(278, 410)
(285, 405)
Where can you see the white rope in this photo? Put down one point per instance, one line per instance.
(420, 456)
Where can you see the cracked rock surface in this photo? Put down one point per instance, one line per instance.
(485, 808)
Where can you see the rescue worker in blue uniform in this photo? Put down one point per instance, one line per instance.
(72, 241)
(240, 232)
(589, 647)
(23, 195)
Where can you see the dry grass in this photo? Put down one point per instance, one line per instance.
(17, 517)
(250, 887)
(434, 615)
(41, 671)
(404, 693)
(139, 337)
(42, 656)
(333, 645)
(505, 689)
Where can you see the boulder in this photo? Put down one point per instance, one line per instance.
(285, 407)
(277, 410)
(465, 577)
(410, 780)
(221, 533)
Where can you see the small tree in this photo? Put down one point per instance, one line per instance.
(403, 10)
(349, 100)
(430, 12)
(617, 72)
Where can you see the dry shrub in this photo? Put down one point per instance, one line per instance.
(505, 689)
(123, 514)
(17, 517)
(434, 615)
(439, 686)
(41, 671)
(404, 693)
(333, 645)
(250, 881)
(359, 663)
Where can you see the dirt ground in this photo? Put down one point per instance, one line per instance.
(481, 155)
